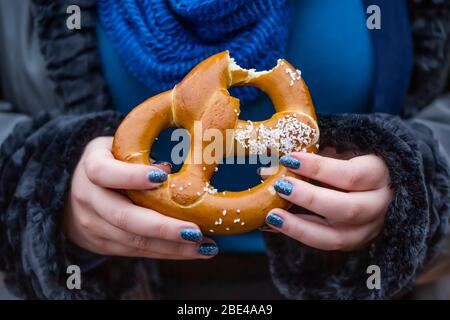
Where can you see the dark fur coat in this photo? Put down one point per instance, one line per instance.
(38, 158)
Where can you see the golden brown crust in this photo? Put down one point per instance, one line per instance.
(203, 96)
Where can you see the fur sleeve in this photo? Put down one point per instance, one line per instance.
(36, 164)
(416, 222)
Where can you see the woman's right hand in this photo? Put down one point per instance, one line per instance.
(103, 221)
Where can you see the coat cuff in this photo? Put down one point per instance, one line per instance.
(416, 221)
(36, 164)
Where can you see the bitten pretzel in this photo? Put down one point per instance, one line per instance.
(203, 96)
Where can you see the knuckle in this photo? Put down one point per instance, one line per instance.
(92, 168)
(86, 222)
(339, 243)
(90, 146)
(162, 231)
(93, 142)
(308, 199)
(316, 168)
(79, 196)
(98, 142)
(120, 217)
(102, 247)
(141, 242)
(353, 212)
(353, 180)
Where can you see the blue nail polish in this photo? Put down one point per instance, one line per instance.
(283, 187)
(157, 175)
(290, 162)
(193, 235)
(275, 220)
(208, 249)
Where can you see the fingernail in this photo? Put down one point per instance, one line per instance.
(283, 187)
(290, 162)
(208, 249)
(157, 175)
(193, 235)
(164, 163)
(274, 220)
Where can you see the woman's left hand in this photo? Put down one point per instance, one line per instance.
(351, 200)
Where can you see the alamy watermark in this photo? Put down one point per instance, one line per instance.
(73, 21)
(73, 281)
(373, 21)
(374, 280)
(247, 143)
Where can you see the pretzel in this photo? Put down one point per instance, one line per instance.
(203, 96)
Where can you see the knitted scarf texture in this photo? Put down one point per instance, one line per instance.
(159, 41)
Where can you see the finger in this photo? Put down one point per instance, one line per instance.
(182, 252)
(362, 173)
(109, 232)
(101, 228)
(97, 233)
(122, 213)
(319, 235)
(106, 143)
(163, 165)
(349, 207)
(112, 248)
(103, 170)
(266, 172)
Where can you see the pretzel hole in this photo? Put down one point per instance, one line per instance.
(259, 109)
(234, 174)
(236, 177)
(162, 148)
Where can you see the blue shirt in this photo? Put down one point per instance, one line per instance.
(329, 42)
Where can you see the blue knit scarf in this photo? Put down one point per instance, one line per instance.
(159, 41)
